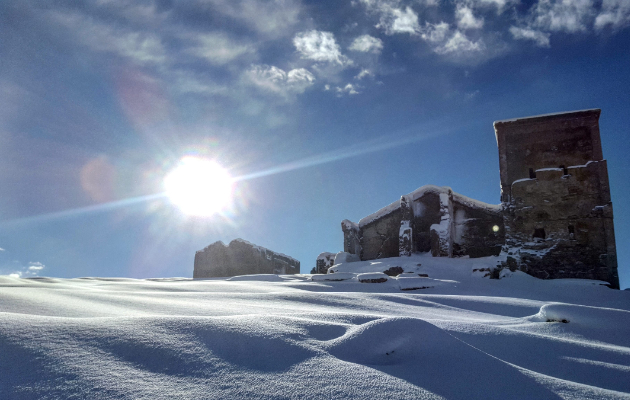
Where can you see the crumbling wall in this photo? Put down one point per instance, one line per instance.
(405, 233)
(324, 261)
(241, 258)
(425, 220)
(561, 224)
(379, 238)
(557, 207)
(442, 233)
(478, 229)
(351, 237)
(426, 210)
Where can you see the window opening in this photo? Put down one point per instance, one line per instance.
(565, 171)
(539, 233)
(571, 232)
(532, 173)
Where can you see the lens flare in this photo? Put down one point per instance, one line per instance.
(199, 187)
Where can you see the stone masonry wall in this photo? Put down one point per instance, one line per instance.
(558, 212)
(241, 258)
(429, 219)
(379, 239)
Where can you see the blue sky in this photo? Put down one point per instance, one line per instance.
(331, 109)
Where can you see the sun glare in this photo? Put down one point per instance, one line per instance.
(199, 186)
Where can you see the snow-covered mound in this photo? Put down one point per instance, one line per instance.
(434, 331)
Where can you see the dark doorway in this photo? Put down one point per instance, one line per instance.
(532, 173)
(539, 233)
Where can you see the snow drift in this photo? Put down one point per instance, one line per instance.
(452, 336)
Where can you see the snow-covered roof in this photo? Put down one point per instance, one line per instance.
(546, 115)
(421, 191)
(380, 213)
(210, 245)
(349, 224)
(260, 248)
(254, 246)
(322, 256)
(473, 203)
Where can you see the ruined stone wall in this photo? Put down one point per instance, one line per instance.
(558, 219)
(324, 261)
(241, 258)
(351, 237)
(426, 209)
(547, 141)
(478, 231)
(379, 238)
(427, 220)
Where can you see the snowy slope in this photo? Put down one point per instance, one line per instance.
(267, 336)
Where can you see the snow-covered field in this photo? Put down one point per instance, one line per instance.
(267, 336)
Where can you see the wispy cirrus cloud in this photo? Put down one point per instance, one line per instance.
(218, 48)
(540, 38)
(271, 19)
(140, 47)
(569, 16)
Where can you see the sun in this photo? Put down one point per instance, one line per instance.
(199, 187)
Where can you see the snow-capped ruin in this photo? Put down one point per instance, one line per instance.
(241, 257)
(555, 218)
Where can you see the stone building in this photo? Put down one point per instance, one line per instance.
(431, 218)
(554, 188)
(241, 258)
(554, 221)
(324, 261)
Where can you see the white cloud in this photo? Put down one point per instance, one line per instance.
(563, 15)
(276, 80)
(458, 44)
(1, 249)
(35, 266)
(319, 46)
(18, 270)
(435, 33)
(367, 44)
(499, 4)
(392, 18)
(191, 82)
(615, 13)
(349, 89)
(363, 74)
(138, 47)
(218, 48)
(466, 19)
(541, 38)
(298, 80)
(395, 20)
(270, 18)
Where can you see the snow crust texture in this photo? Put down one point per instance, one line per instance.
(452, 336)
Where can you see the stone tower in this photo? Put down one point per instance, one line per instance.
(554, 188)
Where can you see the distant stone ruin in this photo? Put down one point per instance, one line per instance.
(241, 258)
(555, 218)
(324, 261)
